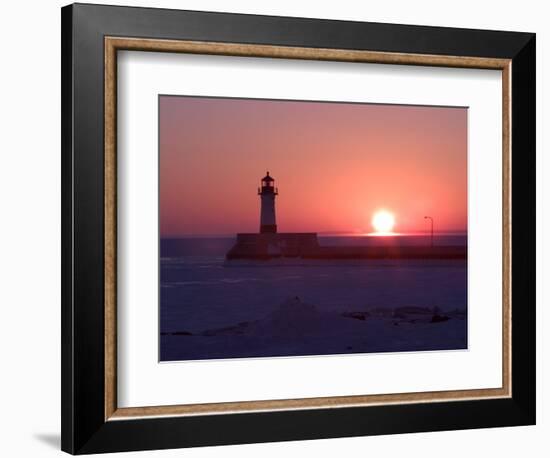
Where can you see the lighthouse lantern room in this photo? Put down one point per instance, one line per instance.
(267, 193)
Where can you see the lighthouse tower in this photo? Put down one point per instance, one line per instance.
(270, 244)
(267, 194)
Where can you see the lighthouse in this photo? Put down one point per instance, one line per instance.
(270, 244)
(267, 193)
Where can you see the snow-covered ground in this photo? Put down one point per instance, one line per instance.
(211, 309)
(298, 328)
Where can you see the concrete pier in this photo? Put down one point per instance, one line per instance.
(306, 246)
(274, 245)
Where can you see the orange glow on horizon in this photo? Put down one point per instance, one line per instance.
(383, 234)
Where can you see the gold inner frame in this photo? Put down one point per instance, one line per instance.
(112, 45)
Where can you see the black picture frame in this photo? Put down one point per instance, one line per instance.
(84, 428)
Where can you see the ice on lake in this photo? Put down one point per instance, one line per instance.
(214, 309)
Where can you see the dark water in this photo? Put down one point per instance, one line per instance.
(203, 299)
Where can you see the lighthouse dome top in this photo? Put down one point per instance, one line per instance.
(267, 178)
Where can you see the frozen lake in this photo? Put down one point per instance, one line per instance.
(214, 309)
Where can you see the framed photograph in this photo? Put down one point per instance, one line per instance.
(282, 228)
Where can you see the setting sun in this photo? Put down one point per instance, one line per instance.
(383, 222)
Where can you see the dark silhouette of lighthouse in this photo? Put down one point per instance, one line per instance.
(267, 193)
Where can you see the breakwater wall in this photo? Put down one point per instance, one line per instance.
(306, 246)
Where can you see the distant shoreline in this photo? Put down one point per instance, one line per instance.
(325, 246)
(326, 235)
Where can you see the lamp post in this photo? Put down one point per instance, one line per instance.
(432, 231)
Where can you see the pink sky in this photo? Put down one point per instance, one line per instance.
(335, 164)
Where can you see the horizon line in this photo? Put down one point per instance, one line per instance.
(322, 234)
